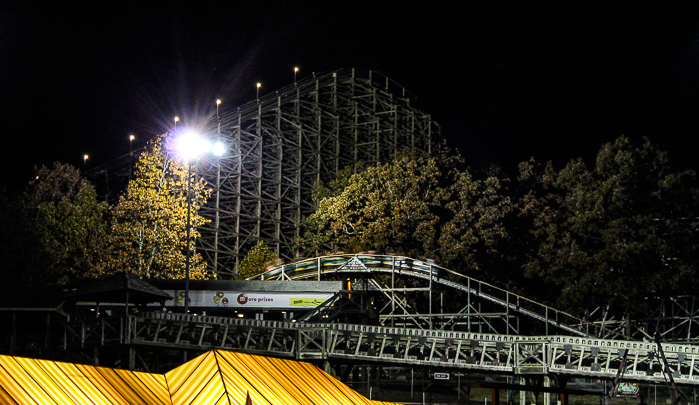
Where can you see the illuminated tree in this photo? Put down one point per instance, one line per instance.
(417, 205)
(256, 261)
(150, 220)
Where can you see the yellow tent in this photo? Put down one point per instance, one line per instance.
(215, 377)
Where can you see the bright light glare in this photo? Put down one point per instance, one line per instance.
(218, 149)
(190, 145)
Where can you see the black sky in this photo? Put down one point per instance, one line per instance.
(505, 83)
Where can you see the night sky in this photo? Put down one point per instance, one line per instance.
(505, 83)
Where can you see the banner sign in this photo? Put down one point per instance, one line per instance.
(627, 390)
(240, 299)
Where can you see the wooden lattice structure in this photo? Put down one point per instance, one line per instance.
(279, 145)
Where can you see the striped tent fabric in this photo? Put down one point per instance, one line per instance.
(43, 382)
(215, 377)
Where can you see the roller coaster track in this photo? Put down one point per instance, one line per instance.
(361, 344)
(486, 307)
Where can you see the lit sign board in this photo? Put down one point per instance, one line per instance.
(241, 299)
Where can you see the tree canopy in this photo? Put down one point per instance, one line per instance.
(149, 225)
(56, 231)
(615, 234)
(417, 205)
(256, 261)
(578, 238)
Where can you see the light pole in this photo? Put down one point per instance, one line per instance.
(296, 70)
(191, 146)
(85, 157)
(218, 103)
(131, 138)
(189, 227)
(258, 89)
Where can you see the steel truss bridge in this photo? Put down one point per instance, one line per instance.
(279, 145)
(495, 332)
(565, 356)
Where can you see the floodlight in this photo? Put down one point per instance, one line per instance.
(218, 149)
(189, 145)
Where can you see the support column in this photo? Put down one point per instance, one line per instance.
(13, 337)
(430, 297)
(132, 359)
(564, 399)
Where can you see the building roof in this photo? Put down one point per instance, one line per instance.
(31, 297)
(115, 289)
(215, 377)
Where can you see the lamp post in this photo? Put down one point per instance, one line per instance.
(218, 103)
(131, 138)
(258, 89)
(191, 146)
(296, 70)
(85, 157)
(189, 227)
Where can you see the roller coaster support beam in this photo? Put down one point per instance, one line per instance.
(617, 379)
(675, 396)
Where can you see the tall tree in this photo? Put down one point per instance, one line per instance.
(616, 234)
(379, 210)
(68, 227)
(150, 220)
(19, 250)
(417, 205)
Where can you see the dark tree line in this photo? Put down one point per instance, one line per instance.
(617, 232)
